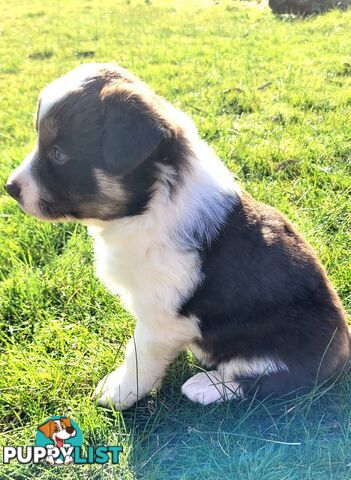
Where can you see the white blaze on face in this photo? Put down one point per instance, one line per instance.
(60, 88)
(30, 190)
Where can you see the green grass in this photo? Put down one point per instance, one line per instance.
(273, 97)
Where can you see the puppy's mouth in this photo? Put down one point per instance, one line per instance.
(44, 210)
(35, 210)
(47, 211)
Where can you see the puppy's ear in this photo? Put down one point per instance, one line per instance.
(47, 429)
(132, 132)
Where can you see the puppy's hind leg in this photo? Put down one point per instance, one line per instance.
(211, 387)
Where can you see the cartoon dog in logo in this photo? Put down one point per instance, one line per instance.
(58, 431)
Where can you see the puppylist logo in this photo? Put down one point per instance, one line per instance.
(59, 441)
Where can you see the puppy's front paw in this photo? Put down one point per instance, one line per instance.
(207, 387)
(116, 389)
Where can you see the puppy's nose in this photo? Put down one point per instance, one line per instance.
(70, 430)
(13, 189)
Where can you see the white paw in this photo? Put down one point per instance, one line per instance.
(68, 460)
(208, 387)
(117, 389)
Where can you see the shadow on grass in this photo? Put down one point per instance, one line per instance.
(172, 438)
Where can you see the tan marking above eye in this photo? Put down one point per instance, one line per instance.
(47, 132)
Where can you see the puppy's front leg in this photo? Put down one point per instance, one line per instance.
(148, 354)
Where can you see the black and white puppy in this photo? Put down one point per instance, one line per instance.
(199, 262)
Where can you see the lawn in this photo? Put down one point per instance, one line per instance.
(273, 97)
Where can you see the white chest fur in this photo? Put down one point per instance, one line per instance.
(145, 268)
(152, 260)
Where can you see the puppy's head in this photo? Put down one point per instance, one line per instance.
(101, 133)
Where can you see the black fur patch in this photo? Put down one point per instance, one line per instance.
(265, 294)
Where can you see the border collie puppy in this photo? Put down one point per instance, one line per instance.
(199, 263)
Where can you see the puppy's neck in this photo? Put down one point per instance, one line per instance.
(190, 209)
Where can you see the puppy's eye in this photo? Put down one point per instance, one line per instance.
(57, 155)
